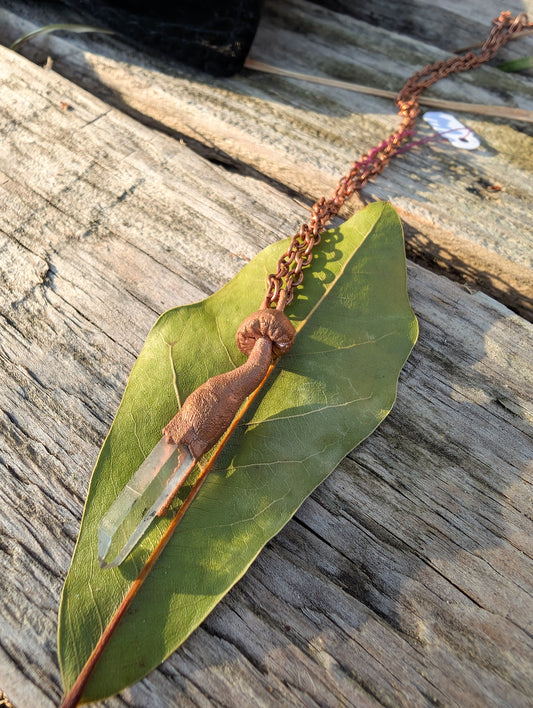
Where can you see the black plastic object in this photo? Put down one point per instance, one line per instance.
(212, 35)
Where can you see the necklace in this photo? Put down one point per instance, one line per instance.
(268, 333)
(210, 411)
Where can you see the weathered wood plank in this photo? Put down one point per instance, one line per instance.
(405, 579)
(304, 136)
(450, 25)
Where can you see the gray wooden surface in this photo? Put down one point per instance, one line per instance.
(406, 579)
(302, 136)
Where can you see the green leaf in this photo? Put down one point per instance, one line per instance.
(355, 330)
(516, 64)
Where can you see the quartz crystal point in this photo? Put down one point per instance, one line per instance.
(147, 492)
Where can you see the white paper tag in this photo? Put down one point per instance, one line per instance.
(453, 130)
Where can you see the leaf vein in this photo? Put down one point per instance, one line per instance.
(247, 519)
(301, 461)
(173, 370)
(223, 344)
(98, 613)
(312, 412)
(332, 350)
(137, 435)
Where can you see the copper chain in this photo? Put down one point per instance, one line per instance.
(290, 266)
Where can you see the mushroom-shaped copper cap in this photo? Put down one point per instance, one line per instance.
(269, 323)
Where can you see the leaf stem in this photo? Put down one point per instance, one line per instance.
(73, 697)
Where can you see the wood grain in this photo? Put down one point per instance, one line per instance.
(451, 25)
(304, 136)
(405, 580)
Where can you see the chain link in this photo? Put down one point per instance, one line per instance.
(289, 273)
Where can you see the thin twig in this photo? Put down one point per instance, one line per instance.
(463, 50)
(478, 108)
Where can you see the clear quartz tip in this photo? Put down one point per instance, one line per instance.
(149, 490)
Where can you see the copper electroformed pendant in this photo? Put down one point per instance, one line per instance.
(197, 426)
(267, 334)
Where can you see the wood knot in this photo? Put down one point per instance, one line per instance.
(270, 324)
